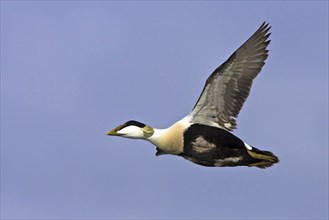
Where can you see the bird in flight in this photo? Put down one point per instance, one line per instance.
(204, 135)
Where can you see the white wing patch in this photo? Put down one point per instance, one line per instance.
(200, 145)
(228, 125)
(247, 146)
(222, 162)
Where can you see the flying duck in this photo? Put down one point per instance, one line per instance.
(204, 135)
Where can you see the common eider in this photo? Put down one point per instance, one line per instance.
(204, 135)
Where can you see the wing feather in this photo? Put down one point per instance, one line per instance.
(228, 87)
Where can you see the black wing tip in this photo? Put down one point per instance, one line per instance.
(263, 33)
(264, 29)
(267, 36)
(265, 25)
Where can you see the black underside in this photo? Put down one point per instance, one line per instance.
(211, 146)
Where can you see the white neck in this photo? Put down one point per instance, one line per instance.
(157, 136)
(170, 140)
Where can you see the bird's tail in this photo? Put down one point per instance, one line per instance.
(262, 159)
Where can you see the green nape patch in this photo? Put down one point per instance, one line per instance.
(147, 131)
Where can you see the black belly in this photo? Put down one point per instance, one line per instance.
(211, 146)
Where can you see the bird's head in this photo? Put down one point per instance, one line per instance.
(132, 129)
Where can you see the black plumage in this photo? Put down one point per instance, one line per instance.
(212, 146)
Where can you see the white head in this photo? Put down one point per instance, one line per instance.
(132, 129)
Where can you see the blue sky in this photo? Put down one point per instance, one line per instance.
(70, 71)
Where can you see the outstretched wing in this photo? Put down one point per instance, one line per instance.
(229, 85)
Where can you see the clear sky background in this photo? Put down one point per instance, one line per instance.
(70, 71)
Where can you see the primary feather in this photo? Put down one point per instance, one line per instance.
(229, 85)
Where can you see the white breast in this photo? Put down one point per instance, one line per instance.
(171, 140)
